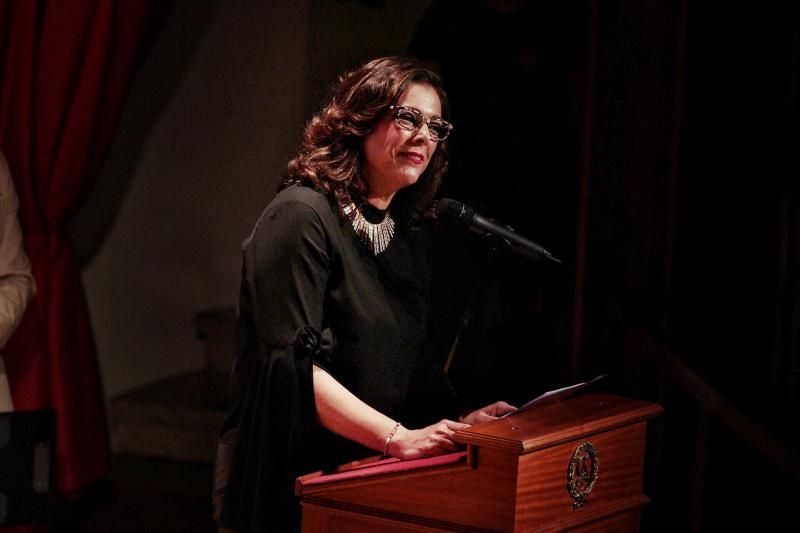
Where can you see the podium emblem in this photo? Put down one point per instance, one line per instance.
(582, 473)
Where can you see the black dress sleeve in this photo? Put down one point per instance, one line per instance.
(285, 271)
(287, 265)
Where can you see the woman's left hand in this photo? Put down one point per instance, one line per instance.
(490, 412)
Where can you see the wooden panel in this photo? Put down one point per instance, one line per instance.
(625, 521)
(477, 496)
(374, 467)
(542, 485)
(324, 520)
(560, 422)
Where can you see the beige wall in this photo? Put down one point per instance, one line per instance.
(213, 118)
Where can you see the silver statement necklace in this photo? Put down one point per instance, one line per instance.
(375, 236)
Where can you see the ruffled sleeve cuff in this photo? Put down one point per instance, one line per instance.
(320, 347)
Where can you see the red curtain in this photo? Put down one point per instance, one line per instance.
(65, 69)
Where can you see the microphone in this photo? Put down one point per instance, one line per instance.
(447, 207)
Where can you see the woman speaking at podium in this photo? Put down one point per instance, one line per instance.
(333, 312)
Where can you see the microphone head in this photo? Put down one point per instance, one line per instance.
(449, 208)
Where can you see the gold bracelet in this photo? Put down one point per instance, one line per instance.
(389, 439)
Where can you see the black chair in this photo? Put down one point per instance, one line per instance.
(27, 466)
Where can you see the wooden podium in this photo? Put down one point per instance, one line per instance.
(575, 465)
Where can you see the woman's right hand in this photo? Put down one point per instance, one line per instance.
(435, 439)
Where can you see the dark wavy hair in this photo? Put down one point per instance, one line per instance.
(330, 156)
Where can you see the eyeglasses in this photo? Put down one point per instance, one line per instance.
(412, 119)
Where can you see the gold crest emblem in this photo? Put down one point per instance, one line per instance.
(582, 473)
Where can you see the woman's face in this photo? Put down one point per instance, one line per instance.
(396, 158)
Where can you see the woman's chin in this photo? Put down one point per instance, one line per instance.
(409, 180)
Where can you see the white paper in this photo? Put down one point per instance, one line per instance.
(556, 395)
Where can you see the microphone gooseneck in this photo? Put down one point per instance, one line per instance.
(462, 213)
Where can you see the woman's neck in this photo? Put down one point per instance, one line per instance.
(380, 201)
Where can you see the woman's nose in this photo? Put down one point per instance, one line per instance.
(420, 136)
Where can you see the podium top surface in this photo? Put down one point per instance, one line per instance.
(555, 423)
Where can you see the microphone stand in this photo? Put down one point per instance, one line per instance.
(496, 242)
(469, 311)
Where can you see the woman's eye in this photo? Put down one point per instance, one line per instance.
(408, 116)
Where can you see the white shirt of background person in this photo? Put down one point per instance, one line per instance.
(17, 286)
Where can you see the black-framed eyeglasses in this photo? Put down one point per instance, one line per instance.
(411, 119)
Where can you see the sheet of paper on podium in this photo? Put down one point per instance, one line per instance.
(557, 395)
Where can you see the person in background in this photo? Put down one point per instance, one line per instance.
(333, 359)
(17, 286)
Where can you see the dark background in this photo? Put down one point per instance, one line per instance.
(652, 146)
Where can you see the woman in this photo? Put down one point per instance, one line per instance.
(333, 310)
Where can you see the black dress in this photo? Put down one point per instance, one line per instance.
(312, 293)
